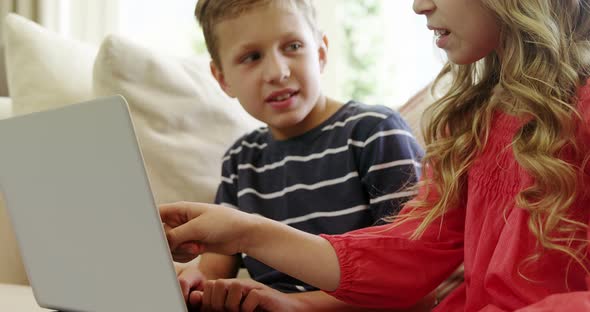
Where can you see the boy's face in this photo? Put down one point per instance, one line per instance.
(271, 62)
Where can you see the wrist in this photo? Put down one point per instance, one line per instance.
(302, 301)
(253, 235)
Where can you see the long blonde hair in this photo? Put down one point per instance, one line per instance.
(545, 53)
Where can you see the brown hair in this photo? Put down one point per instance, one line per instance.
(545, 49)
(209, 13)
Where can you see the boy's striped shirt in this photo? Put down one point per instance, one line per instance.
(345, 174)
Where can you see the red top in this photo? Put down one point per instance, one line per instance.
(382, 268)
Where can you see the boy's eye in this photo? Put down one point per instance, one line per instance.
(250, 57)
(293, 46)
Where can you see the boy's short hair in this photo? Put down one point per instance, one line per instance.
(209, 13)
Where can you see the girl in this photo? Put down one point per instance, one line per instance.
(504, 189)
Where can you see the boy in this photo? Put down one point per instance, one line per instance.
(320, 165)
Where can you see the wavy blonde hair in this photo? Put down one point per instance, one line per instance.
(545, 56)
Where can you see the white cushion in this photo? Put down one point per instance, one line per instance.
(45, 70)
(184, 122)
(5, 107)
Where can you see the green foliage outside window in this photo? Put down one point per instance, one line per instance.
(359, 19)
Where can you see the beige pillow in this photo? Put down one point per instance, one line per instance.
(184, 122)
(45, 70)
(5, 107)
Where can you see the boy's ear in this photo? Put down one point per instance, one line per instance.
(218, 74)
(323, 52)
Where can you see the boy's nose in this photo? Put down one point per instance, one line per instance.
(423, 6)
(276, 69)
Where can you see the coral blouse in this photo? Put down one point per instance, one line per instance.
(380, 267)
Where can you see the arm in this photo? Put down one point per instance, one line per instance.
(366, 265)
(381, 267)
(376, 267)
(307, 257)
(218, 229)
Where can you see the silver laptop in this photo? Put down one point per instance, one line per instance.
(85, 219)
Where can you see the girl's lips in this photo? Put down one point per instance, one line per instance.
(441, 35)
(442, 41)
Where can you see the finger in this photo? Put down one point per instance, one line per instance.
(173, 214)
(190, 249)
(219, 295)
(235, 292)
(195, 299)
(184, 288)
(186, 233)
(262, 300)
(206, 299)
(166, 227)
(252, 301)
(180, 212)
(189, 280)
(182, 257)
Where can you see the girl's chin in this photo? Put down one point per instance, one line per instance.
(464, 59)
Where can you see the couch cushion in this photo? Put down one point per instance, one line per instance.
(184, 122)
(413, 110)
(45, 70)
(5, 107)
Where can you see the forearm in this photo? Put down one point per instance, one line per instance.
(307, 257)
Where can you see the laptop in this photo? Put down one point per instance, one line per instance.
(83, 212)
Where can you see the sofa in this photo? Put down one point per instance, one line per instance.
(183, 121)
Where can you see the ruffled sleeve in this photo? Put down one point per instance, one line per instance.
(381, 267)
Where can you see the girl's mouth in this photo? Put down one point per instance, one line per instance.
(441, 37)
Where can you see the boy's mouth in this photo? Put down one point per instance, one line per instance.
(281, 95)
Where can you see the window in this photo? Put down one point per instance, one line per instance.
(380, 51)
(168, 26)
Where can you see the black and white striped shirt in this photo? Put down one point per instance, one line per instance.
(345, 174)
